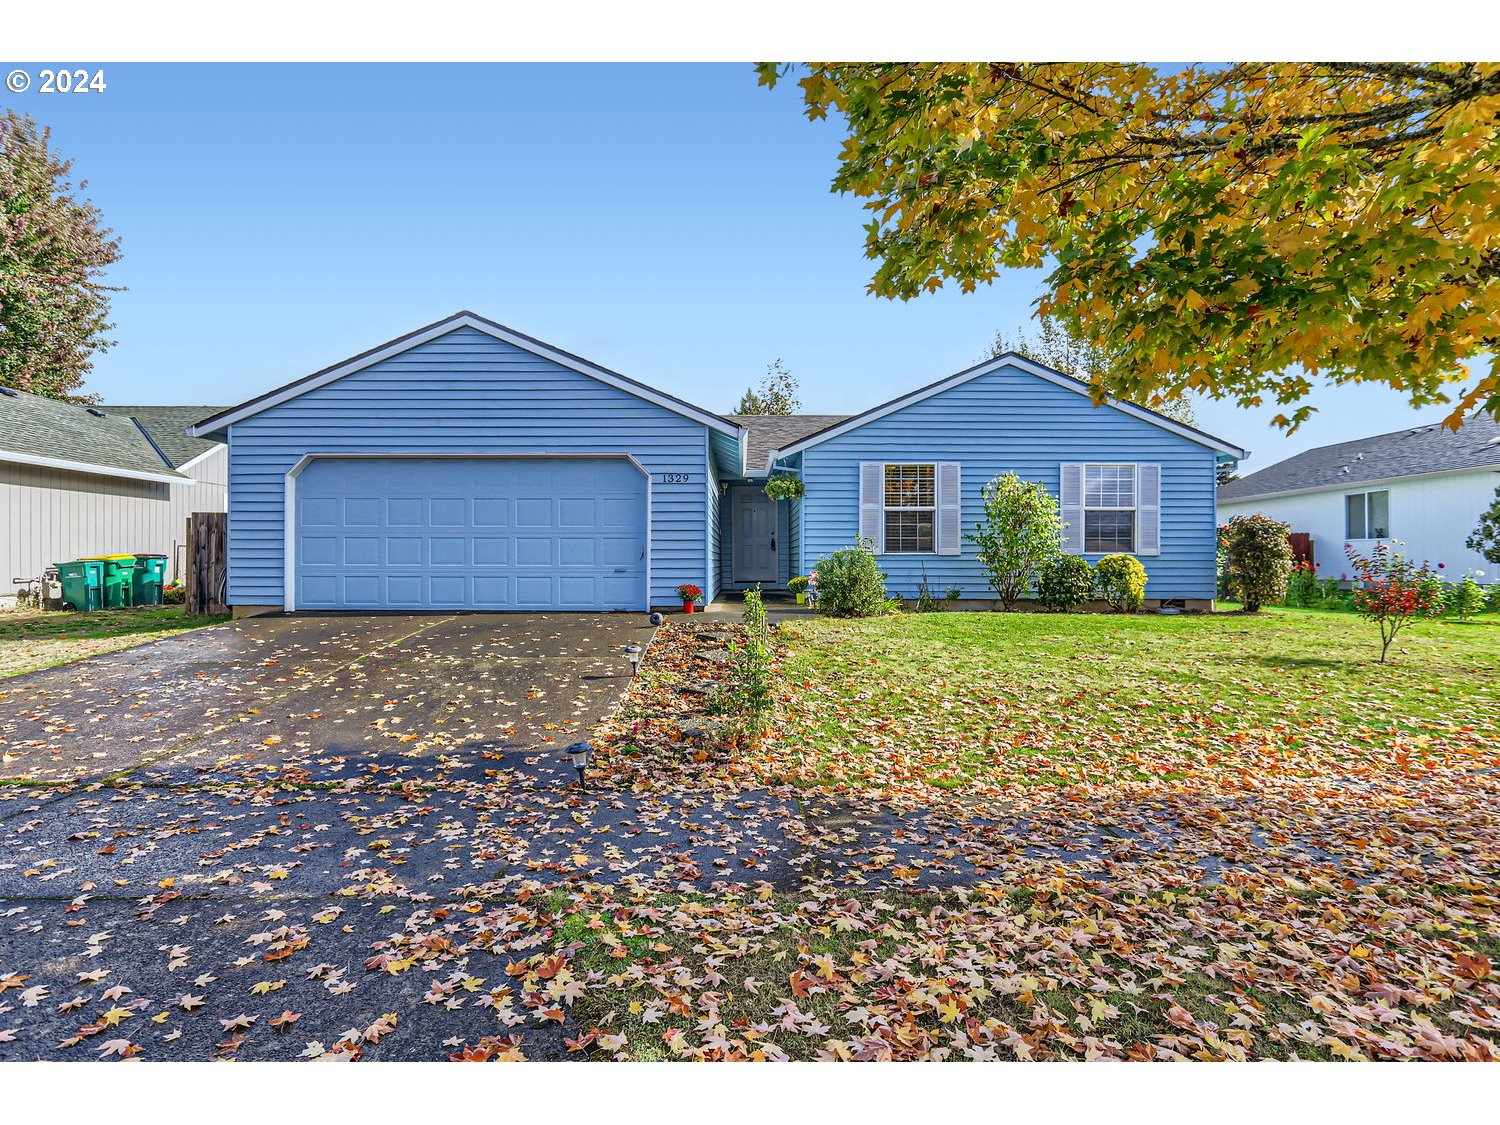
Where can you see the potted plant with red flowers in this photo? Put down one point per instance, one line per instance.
(690, 595)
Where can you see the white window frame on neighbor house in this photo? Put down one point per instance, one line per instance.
(887, 508)
(1366, 514)
(1130, 475)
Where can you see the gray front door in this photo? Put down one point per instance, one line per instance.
(753, 526)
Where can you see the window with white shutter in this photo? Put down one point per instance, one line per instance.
(1111, 508)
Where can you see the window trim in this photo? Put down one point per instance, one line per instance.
(1365, 497)
(886, 509)
(1133, 508)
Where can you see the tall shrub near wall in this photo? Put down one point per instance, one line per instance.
(1019, 533)
(1257, 560)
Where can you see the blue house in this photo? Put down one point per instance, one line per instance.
(466, 466)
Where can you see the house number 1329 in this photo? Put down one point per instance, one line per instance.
(675, 478)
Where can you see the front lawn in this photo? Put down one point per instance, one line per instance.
(1029, 836)
(34, 639)
(984, 699)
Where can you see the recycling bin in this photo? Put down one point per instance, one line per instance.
(146, 583)
(119, 573)
(82, 582)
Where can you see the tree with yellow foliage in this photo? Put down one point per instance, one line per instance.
(1235, 230)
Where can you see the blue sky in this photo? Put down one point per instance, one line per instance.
(672, 222)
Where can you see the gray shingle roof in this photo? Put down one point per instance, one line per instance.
(36, 427)
(167, 426)
(1416, 449)
(769, 432)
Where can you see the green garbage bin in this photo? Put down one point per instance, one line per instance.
(150, 573)
(82, 583)
(119, 570)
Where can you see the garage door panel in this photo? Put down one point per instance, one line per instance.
(404, 589)
(532, 550)
(491, 551)
(490, 512)
(573, 551)
(534, 512)
(448, 550)
(480, 533)
(403, 512)
(404, 550)
(448, 511)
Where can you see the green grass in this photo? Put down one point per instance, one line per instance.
(1053, 698)
(35, 639)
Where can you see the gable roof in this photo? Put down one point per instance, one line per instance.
(166, 426)
(1020, 362)
(766, 433)
(1413, 451)
(59, 435)
(219, 422)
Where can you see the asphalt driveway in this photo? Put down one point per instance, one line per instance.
(281, 691)
(249, 813)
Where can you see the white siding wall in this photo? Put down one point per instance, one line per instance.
(51, 515)
(1430, 516)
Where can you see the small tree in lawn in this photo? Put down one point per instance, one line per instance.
(1392, 591)
(1257, 560)
(1021, 529)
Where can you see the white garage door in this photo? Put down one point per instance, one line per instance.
(470, 533)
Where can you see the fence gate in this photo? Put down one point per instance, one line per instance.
(207, 562)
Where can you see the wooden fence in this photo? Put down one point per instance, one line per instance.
(207, 562)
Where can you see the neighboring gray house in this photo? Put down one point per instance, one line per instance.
(1423, 487)
(77, 481)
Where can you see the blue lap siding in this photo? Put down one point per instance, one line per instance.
(1009, 420)
(467, 392)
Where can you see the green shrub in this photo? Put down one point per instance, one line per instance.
(1064, 583)
(1492, 599)
(850, 584)
(1434, 595)
(175, 594)
(1466, 598)
(1121, 580)
(1021, 529)
(1302, 588)
(1257, 560)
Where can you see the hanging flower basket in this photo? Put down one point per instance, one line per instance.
(785, 488)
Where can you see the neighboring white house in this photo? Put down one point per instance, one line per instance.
(78, 481)
(1424, 486)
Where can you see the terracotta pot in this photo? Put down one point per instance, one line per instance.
(688, 607)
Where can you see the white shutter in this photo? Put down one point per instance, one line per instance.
(1070, 500)
(1148, 509)
(949, 509)
(872, 503)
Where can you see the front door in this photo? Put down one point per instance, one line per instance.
(753, 526)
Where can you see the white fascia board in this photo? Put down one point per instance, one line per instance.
(219, 447)
(164, 477)
(442, 328)
(1067, 382)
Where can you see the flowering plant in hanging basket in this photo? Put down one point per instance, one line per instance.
(785, 488)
